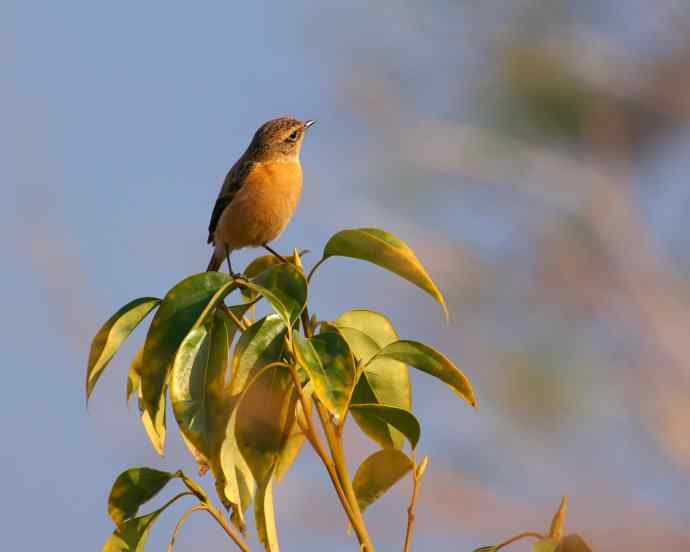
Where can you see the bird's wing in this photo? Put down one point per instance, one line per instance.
(231, 185)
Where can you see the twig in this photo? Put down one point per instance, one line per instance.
(240, 325)
(315, 442)
(335, 445)
(182, 521)
(518, 537)
(313, 269)
(336, 464)
(229, 530)
(416, 481)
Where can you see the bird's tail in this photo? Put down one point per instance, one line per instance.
(214, 264)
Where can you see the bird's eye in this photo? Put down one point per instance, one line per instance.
(293, 136)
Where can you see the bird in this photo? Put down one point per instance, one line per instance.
(260, 192)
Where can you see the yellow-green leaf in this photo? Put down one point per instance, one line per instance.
(384, 434)
(328, 361)
(264, 514)
(573, 543)
(485, 549)
(401, 419)
(188, 301)
(132, 488)
(296, 437)
(378, 473)
(238, 485)
(134, 375)
(132, 535)
(265, 414)
(432, 362)
(261, 344)
(155, 428)
(113, 334)
(285, 287)
(545, 545)
(387, 251)
(256, 267)
(197, 386)
(374, 324)
(385, 382)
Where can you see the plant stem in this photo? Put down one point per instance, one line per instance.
(240, 325)
(336, 446)
(182, 521)
(226, 527)
(518, 537)
(313, 269)
(416, 481)
(337, 467)
(313, 438)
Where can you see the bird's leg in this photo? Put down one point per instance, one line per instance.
(274, 253)
(227, 257)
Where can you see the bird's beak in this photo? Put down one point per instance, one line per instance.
(309, 123)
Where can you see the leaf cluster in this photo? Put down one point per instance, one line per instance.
(246, 392)
(249, 392)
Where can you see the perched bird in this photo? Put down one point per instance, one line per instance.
(261, 191)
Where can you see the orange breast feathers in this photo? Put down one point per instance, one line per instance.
(263, 206)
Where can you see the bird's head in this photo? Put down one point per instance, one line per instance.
(279, 139)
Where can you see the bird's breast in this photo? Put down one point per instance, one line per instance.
(263, 205)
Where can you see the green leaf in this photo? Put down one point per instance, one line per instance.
(238, 485)
(374, 324)
(296, 437)
(378, 473)
(285, 287)
(385, 382)
(387, 251)
(331, 368)
(187, 303)
(432, 362)
(362, 346)
(402, 420)
(113, 334)
(261, 344)
(134, 375)
(202, 461)
(485, 549)
(260, 264)
(132, 535)
(573, 543)
(264, 514)
(545, 545)
(132, 488)
(265, 414)
(197, 386)
(213, 405)
(155, 428)
(384, 434)
(256, 267)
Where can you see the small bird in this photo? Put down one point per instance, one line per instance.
(260, 192)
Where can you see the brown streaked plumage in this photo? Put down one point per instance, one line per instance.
(260, 192)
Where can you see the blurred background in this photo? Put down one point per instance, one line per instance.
(535, 153)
